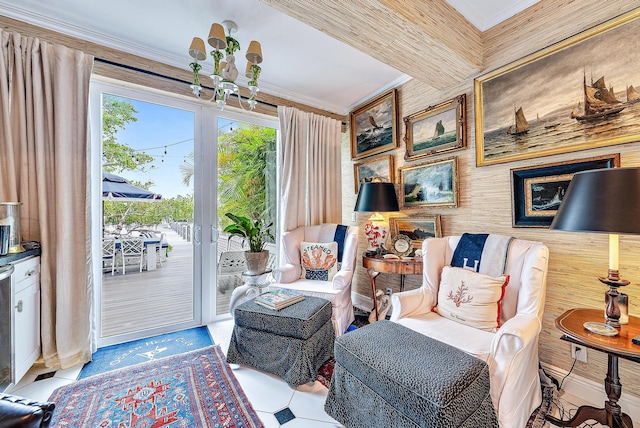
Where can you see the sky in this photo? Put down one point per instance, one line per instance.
(158, 129)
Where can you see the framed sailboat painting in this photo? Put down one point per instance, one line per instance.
(374, 127)
(437, 129)
(539, 190)
(577, 94)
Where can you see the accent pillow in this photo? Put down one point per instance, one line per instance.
(319, 260)
(471, 298)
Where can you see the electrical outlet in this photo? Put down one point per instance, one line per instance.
(389, 291)
(353, 216)
(579, 352)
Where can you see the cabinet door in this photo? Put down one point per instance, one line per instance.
(27, 329)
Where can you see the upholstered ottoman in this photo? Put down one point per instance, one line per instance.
(292, 343)
(387, 375)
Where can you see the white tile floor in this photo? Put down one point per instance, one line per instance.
(267, 393)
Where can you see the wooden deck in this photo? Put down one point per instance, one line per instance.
(148, 299)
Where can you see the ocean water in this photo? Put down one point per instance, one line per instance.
(559, 130)
(370, 139)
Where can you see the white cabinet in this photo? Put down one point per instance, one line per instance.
(26, 315)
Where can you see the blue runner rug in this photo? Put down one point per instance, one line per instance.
(144, 350)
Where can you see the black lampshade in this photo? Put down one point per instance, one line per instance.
(377, 197)
(601, 200)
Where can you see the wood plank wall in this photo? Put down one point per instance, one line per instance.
(576, 260)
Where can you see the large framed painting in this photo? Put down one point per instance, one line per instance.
(578, 94)
(436, 130)
(379, 168)
(538, 191)
(374, 126)
(431, 184)
(416, 228)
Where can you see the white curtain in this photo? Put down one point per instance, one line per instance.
(44, 96)
(311, 180)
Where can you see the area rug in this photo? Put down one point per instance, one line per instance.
(537, 419)
(143, 350)
(194, 389)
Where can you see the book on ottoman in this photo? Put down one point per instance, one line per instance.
(278, 299)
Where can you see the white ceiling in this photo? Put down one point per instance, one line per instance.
(300, 63)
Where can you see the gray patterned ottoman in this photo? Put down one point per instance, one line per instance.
(387, 375)
(292, 343)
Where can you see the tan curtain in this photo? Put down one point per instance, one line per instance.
(311, 180)
(44, 96)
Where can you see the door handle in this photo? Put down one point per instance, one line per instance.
(215, 234)
(19, 306)
(197, 235)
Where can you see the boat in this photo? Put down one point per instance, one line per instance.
(599, 102)
(439, 129)
(373, 123)
(521, 126)
(632, 95)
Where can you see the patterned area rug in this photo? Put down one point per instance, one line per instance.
(143, 350)
(195, 389)
(537, 419)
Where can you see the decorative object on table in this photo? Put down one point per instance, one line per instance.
(256, 233)
(376, 197)
(432, 184)
(604, 201)
(143, 350)
(319, 260)
(437, 129)
(376, 169)
(401, 245)
(197, 388)
(278, 299)
(554, 120)
(374, 126)
(10, 216)
(416, 228)
(600, 328)
(539, 190)
(5, 234)
(225, 72)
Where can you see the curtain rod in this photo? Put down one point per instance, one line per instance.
(174, 79)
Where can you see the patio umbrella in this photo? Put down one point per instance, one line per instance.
(116, 188)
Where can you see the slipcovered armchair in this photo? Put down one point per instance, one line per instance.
(337, 290)
(511, 352)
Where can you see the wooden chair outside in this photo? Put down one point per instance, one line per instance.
(109, 252)
(131, 248)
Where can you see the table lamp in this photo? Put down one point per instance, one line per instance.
(605, 201)
(376, 197)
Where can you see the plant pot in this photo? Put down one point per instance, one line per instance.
(256, 262)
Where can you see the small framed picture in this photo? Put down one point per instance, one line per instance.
(416, 228)
(538, 191)
(374, 126)
(432, 184)
(436, 130)
(376, 168)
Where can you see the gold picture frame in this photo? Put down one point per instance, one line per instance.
(416, 228)
(380, 167)
(437, 129)
(374, 126)
(536, 106)
(430, 184)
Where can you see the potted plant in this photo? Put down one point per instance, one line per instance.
(256, 233)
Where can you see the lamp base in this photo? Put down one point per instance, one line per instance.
(612, 314)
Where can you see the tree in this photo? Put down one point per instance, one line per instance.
(118, 157)
(242, 172)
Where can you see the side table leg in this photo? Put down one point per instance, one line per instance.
(372, 277)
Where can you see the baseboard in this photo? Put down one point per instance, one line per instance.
(590, 392)
(362, 302)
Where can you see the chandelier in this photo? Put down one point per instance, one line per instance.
(225, 72)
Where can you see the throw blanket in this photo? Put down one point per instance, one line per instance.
(483, 253)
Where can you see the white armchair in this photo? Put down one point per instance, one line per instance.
(338, 290)
(512, 351)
